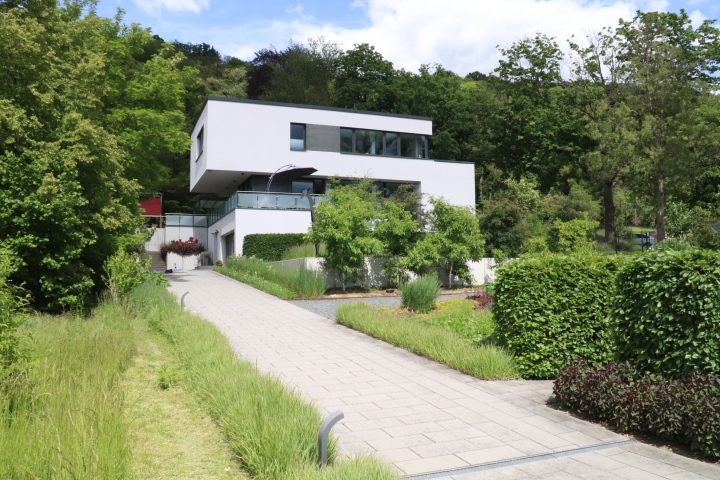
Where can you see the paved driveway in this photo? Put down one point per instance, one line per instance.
(428, 420)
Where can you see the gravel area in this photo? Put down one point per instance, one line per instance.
(327, 308)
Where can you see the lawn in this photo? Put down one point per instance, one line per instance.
(449, 335)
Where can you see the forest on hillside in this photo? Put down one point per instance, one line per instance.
(619, 129)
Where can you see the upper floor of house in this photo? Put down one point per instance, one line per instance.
(237, 144)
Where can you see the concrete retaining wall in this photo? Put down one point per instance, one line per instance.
(481, 272)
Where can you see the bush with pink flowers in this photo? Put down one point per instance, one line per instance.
(184, 249)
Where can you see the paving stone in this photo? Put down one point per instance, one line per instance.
(418, 414)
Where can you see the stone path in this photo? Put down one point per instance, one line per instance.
(417, 414)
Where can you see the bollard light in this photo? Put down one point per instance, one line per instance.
(325, 428)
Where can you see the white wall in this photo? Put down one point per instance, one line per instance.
(157, 239)
(216, 245)
(251, 138)
(249, 221)
(481, 272)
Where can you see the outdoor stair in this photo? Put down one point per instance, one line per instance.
(157, 265)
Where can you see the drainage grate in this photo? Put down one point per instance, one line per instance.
(517, 461)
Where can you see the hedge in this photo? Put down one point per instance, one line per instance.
(667, 311)
(685, 410)
(270, 246)
(554, 308)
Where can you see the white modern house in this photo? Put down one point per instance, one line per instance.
(271, 159)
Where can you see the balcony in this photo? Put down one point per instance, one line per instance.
(262, 200)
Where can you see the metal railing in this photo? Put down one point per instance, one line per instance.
(262, 200)
(185, 220)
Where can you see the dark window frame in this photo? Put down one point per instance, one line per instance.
(385, 146)
(304, 139)
(200, 142)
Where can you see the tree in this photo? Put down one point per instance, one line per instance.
(397, 230)
(344, 223)
(81, 120)
(671, 70)
(536, 129)
(453, 240)
(364, 80)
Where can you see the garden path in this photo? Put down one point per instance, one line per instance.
(428, 420)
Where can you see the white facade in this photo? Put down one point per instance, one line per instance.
(241, 139)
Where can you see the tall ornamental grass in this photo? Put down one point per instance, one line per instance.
(272, 430)
(70, 424)
(301, 282)
(486, 362)
(421, 294)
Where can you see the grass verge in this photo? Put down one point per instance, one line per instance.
(282, 282)
(71, 422)
(170, 436)
(438, 343)
(272, 431)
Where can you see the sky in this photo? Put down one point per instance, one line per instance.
(461, 35)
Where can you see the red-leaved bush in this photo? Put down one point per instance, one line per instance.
(482, 300)
(184, 249)
(685, 410)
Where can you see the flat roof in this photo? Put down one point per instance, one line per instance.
(313, 107)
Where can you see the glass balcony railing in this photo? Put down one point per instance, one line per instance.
(262, 200)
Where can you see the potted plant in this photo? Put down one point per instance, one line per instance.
(218, 263)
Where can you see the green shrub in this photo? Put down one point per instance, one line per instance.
(270, 246)
(551, 309)
(438, 343)
(124, 273)
(685, 410)
(262, 275)
(667, 311)
(301, 251)
(421, 294)
(12, 356)
(572, 237)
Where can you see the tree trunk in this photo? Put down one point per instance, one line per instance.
(660, 207)
(450, 276)
(609, 209)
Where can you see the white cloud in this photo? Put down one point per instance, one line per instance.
(154, 7)
(462, 35)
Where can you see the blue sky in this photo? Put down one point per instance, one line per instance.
(462, 35)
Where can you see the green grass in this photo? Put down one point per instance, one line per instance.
(282, 282)
(272, 431)
(438, 343)
(302, 251)
(72, 424)
(170, 437)
(460, 317)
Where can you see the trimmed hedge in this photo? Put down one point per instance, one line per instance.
(685, 410)
(552, 309)
(667, 311)
(270, 246)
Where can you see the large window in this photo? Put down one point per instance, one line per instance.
(389, 144)
(346, 140)
(200, 142)
(297, 136)
(368, 142)
(412, 146)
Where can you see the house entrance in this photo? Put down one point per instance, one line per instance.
(229, 245)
